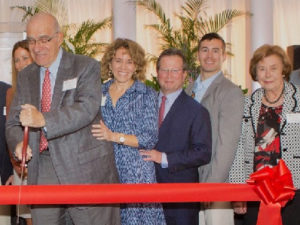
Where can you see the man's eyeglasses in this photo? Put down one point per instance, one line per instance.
(42, 40)
(172, 71)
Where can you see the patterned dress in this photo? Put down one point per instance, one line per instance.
(136, 113)
(267, 142)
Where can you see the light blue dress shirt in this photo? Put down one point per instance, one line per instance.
(53, 68)
(200, 87)
(168, 104)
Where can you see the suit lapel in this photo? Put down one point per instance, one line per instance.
(289, 104)
(63, 74)
(211, 89)
(178, 103)
(255, 106)
(35, 88)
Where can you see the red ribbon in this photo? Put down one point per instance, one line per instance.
(126, 193)
(275, 188)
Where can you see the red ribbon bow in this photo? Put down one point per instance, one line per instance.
(275, 188)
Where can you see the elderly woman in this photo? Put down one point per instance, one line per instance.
(130, 115)
(268, 133)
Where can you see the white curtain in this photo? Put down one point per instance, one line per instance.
(286, 22)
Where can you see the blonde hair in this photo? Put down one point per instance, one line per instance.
(135, 51)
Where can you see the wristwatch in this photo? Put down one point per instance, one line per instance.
(122, 139)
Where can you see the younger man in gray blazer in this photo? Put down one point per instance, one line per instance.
(224, 101)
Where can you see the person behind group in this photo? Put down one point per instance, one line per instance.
(57, 97)
(130, 113)
(20, 59)
(295, 77)
(6, 169)
(268, 131)
(184, 141)
(224, 102)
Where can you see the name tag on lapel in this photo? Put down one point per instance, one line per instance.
(69, 84)
(293, 117)
(4, 110)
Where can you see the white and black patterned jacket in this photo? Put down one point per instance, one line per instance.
(289, 135)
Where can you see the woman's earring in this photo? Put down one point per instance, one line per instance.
(134, 75)
(110, 73)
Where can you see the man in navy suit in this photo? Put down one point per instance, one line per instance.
(184, 136)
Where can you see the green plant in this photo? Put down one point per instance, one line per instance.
(81, 42)
(194, 24)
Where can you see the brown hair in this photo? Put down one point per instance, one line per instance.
(211, 36)
(172, 52)
(268, 50)
(135, 51)
(20, 44)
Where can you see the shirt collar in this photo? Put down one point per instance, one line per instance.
(172, 96)
(205, 83)
(53, 68)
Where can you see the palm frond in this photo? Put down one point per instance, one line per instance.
(55, 7)
(217, 22)
(193, 8)
(194, 24)
(165, 28)
(81, 42)
(164, 32)
(154, 7)
(28, 11)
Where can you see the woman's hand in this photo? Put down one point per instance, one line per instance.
(101, 132)
(239, 207)
(151, 155)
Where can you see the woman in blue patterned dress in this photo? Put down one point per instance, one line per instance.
(130, 115)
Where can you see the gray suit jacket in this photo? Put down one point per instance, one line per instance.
(224, 101)
(77, 156)
(295, 77)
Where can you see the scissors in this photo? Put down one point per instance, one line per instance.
(23, 166)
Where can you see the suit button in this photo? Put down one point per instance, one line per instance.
(285, 149)
(246, 120)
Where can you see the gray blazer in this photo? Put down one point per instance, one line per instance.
(289, 135)
(77, 156)
(224, 101)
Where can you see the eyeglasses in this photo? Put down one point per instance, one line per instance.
(172, 71)
(42, 40)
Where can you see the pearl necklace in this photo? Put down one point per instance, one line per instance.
(276, 100)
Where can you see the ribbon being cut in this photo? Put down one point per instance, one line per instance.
(272, 186)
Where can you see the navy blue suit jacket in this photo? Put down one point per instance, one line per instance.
(185, 136)
(5, 164)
